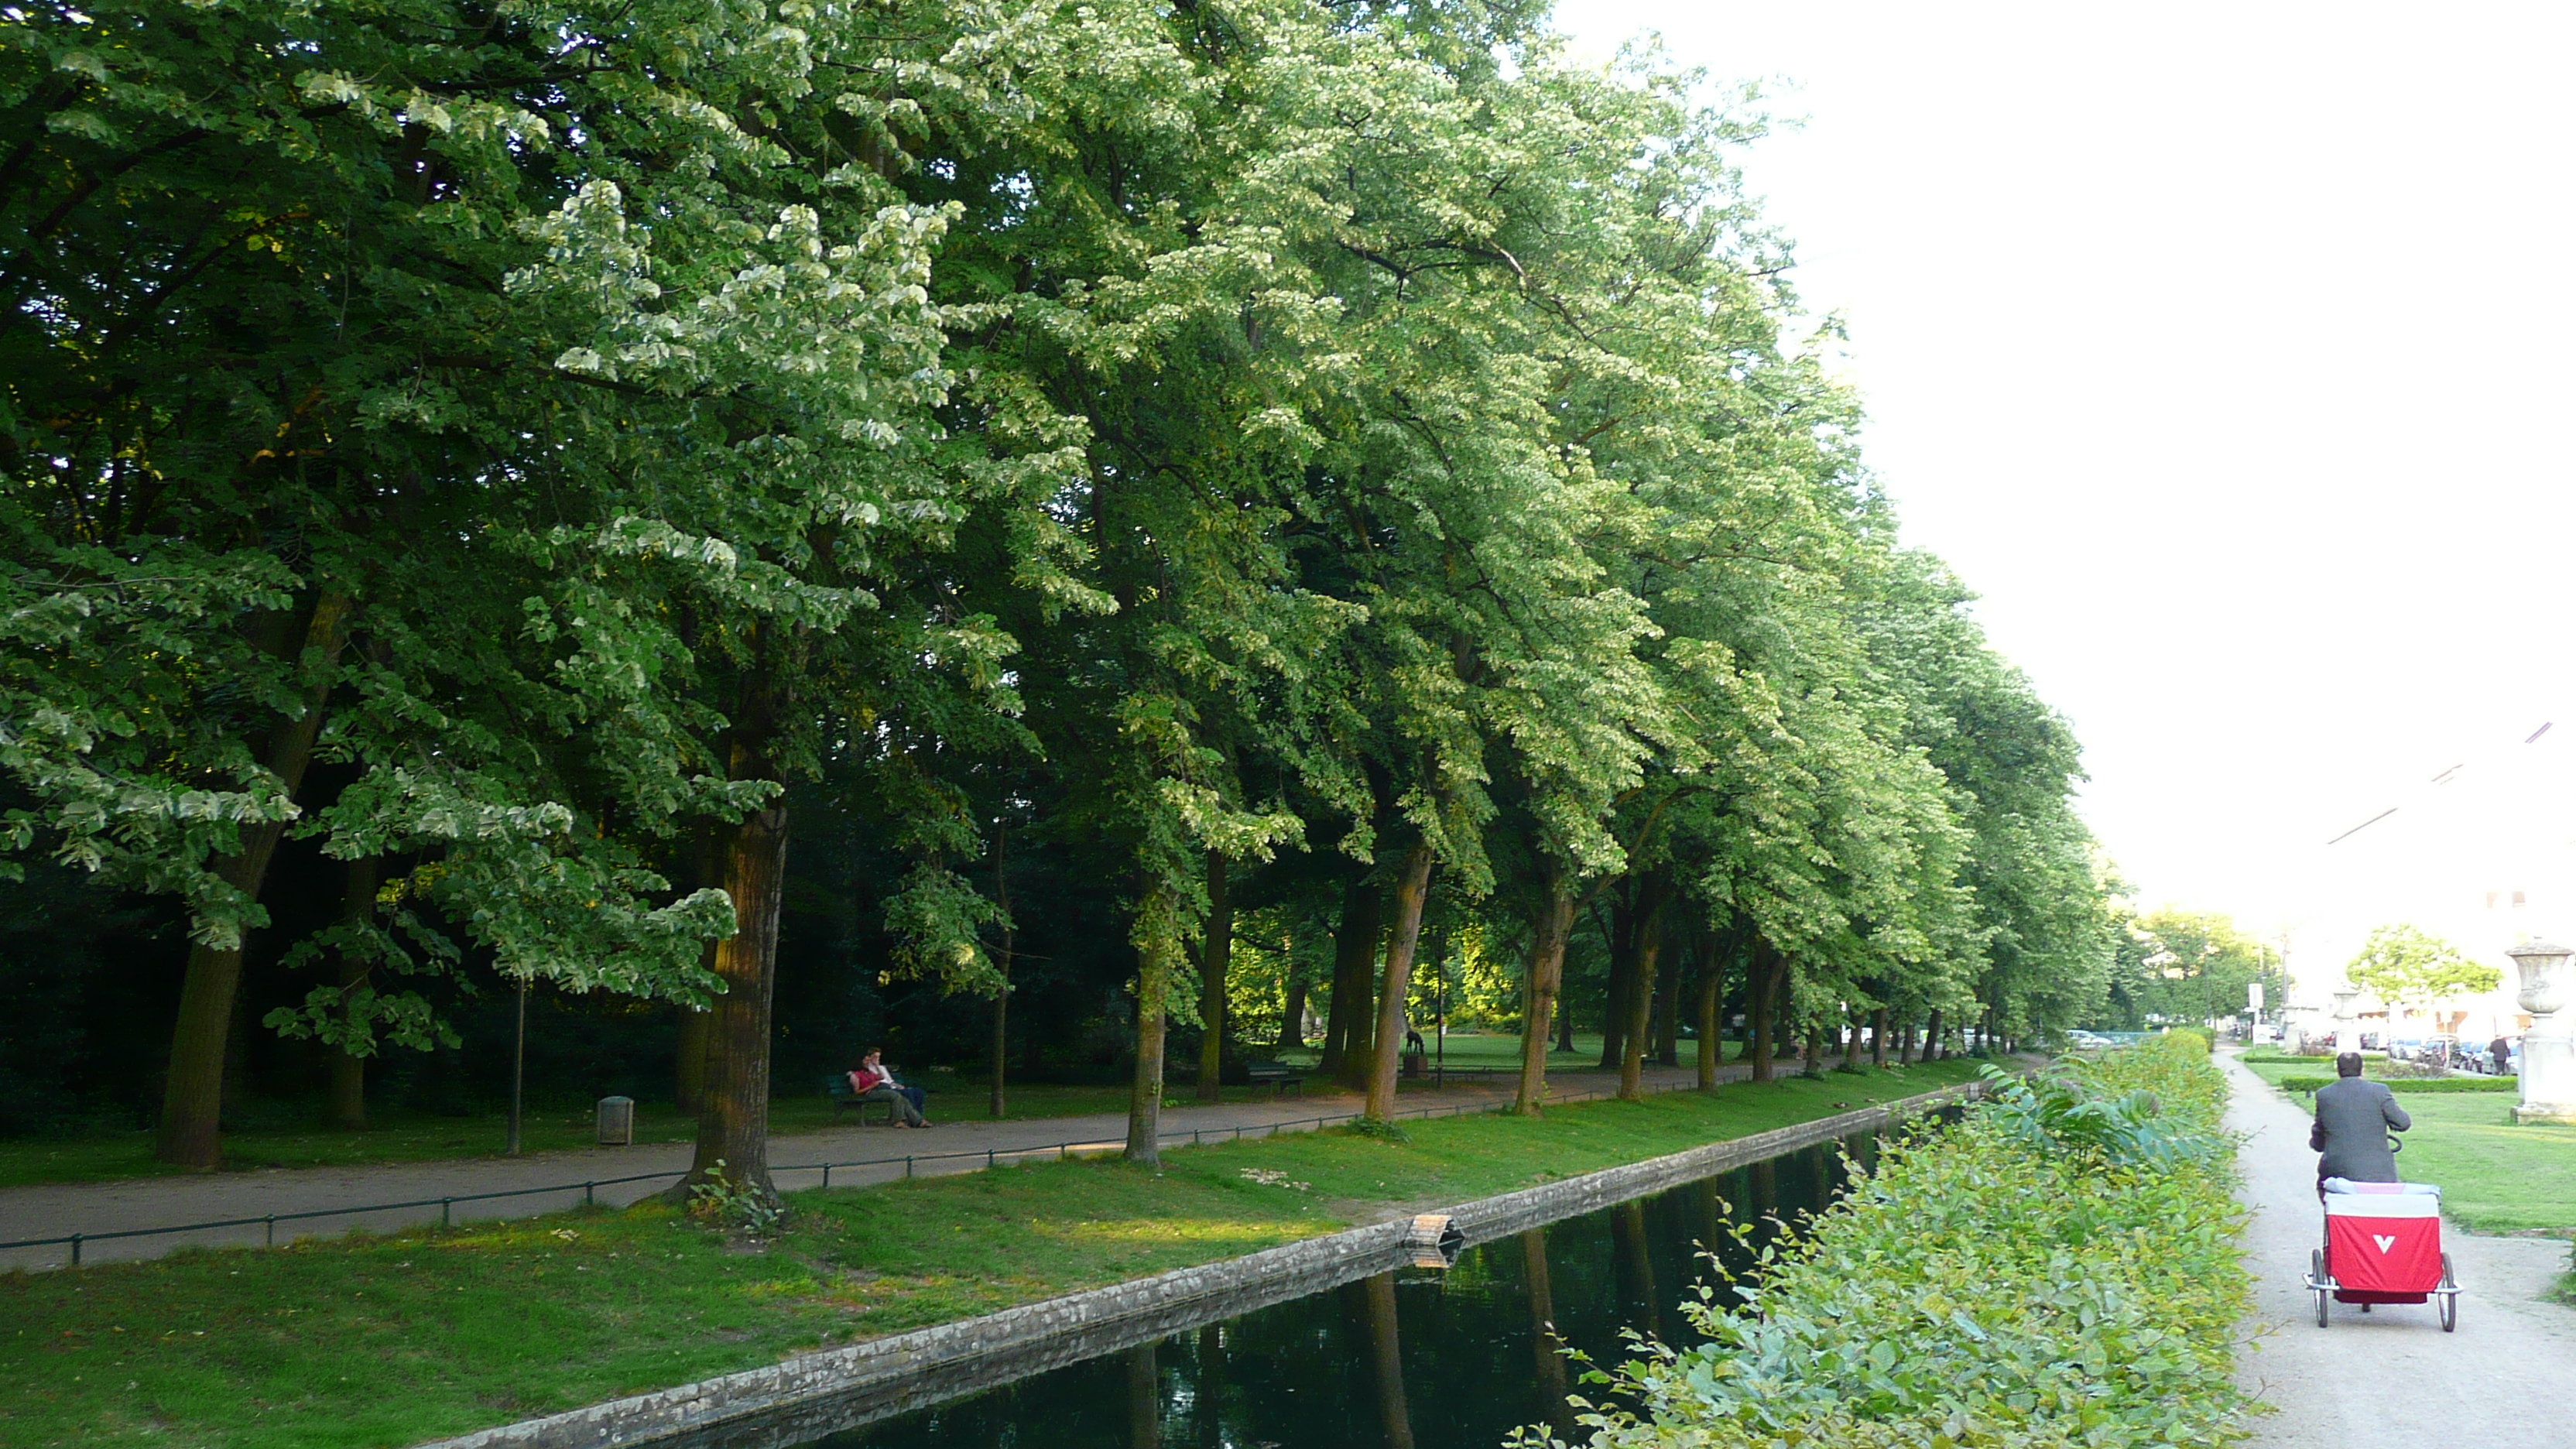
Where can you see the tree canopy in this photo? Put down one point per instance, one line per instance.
(1271, 471)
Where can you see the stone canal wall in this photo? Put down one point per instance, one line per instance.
(814, 1394)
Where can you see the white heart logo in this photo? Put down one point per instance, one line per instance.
(2384, 1243)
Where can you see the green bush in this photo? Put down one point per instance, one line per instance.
(2303, 1084)
(1983, 1289)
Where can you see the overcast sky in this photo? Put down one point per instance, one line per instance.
(2225, 351)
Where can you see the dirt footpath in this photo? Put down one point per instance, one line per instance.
(2391, 1379)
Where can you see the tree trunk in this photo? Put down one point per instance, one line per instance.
(733, 1119)
(696, 1034)
(347, 1105)
(998, 1101)
(1564, 1012)
(1815, 1063)
(1932, 1038)
(1761, 995)
(1878, 1038)
(192, 1098)
(1412, 890)
(689, 1055)
(1347, 1026)
(1217, 956)
(1158, 950)
(1622, 940)
(1649, 937)
(1546, 982)
(1712, 981)
(1292, 1012)
(1668, 1005)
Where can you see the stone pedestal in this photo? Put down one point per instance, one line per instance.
(2347, 1035)
(2548, 1055)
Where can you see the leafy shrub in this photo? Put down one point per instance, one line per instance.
(2303, 1083)
(2067, 1110)
(1981, 1290)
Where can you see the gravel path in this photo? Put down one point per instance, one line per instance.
(2391, 1379)
(956, 1145)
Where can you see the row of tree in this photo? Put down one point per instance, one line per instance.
(1250, 454)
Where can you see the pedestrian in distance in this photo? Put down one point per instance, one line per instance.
(2500, 1056)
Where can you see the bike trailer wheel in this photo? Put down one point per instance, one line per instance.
(2450, 1297)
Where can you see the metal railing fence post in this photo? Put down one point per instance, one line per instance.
(447, 1212)
(76, 1242)
(272, 1230)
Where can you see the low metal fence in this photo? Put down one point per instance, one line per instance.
(911, 1162)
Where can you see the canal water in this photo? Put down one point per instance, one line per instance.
(1416, 1359)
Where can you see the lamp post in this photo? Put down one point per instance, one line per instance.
(2548, 1055)
(2345, 1037)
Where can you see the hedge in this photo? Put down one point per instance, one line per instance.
(2005, 1284)
(2304, 1084)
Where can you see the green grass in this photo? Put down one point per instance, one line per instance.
(392, 1340)
(2496, 1176)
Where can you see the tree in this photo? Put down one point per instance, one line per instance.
(2404, 965)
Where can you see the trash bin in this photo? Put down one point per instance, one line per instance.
(617, 1121)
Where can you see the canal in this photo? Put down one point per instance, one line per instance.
(1413, 1359)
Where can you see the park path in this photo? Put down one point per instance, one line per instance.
(2390, 1379)
(956, 1145)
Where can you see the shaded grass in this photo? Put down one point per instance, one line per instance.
(392, 1340)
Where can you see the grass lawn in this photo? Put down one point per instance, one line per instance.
(2495, 1176)
(392, 1340)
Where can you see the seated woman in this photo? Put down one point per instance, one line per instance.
(871, 1082)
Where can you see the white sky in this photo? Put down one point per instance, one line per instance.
(2225, 350)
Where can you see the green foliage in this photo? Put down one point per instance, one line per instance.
(735, 1206)
(2304, 1083)
(2066, 1110)
(1977, 1293)
(2403, 965)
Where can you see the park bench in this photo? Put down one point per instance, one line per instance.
(837, 1087)
(1278, 1076)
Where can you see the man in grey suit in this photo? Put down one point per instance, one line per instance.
(2354, 1118)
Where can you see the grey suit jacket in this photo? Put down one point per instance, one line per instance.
(2354, 1118)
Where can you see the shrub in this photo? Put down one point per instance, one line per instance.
(2304, 1083)
(1985, 1288)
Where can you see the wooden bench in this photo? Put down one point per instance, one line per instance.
(1278, 1076)
(837, 1087)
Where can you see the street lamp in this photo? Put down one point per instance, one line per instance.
(2548, 1055)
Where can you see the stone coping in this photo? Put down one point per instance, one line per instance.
(811, 1395)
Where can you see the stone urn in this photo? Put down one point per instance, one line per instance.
(2544, 977)
(2346, 1038)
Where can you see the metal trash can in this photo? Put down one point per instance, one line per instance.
(617, 1121)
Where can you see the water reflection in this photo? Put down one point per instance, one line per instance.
(1402, 1360)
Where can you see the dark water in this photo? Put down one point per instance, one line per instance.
(1408, 1360)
